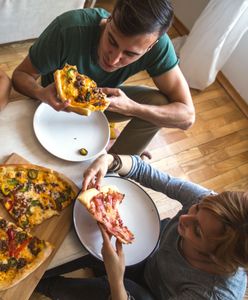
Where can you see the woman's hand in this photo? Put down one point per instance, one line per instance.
(114, 259)
(96, 171)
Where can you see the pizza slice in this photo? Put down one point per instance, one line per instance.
(20, 254)
(79, 90)
(103, 206)
(32, 194)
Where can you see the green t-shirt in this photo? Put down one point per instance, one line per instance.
(73, 38)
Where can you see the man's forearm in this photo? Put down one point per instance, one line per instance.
(27, 85)
(172, 115)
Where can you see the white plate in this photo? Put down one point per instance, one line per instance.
(137, 211)
(63, 134)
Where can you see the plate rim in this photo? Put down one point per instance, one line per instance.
(82, 159)
(156, 211)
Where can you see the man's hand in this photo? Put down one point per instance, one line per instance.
(49, 96)
(119, 102)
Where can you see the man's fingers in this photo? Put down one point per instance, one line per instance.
(110, 92)
(58, 105)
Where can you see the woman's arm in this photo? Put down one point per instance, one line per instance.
(104, 163)
(114, 262)
(135, 168)
(5, 86)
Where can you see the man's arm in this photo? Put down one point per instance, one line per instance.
(179, 113)
(5, 86)
(25, 81)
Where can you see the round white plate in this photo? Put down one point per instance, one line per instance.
(137, 211)
(63, 134)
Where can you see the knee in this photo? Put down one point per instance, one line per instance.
(189, 119)
(157, 98)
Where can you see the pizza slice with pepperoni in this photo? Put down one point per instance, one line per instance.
(103, 206)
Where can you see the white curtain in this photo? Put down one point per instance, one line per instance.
(214, 36)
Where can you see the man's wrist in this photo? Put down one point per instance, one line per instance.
(38, 93)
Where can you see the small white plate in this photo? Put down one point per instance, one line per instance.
(138, 213)
(63, 134)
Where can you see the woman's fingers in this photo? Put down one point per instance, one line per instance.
(119, 248)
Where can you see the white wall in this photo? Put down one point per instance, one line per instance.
(236, 68)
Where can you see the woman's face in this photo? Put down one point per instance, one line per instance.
(116, 50)
(198, 228)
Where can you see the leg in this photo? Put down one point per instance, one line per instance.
(138, 133)
(86, 288)
(74, 288)
(137, 291)
(87, 261)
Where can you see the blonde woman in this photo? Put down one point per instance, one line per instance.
(203, 250)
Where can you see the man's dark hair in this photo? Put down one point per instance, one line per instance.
(133, 17)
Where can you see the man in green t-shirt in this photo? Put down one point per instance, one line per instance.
(110, 49)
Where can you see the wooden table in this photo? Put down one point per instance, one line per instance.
(16, 131)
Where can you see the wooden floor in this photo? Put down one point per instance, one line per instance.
(213, 153)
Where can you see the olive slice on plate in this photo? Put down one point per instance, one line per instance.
(83, 151)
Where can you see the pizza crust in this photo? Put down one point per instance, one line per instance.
(79, 110)
(58, 84)
(86, 196)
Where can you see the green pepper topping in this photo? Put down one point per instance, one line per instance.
(12, 181)
(83, 151)
(24, 188)
(24, 223)
(87, 96)
(12, 262)
(70, 72)
(5, 190)
(35, 202)
(32, 173)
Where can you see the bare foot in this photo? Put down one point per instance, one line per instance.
(146, 155)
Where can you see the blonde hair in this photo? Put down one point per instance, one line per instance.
(231, 208)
